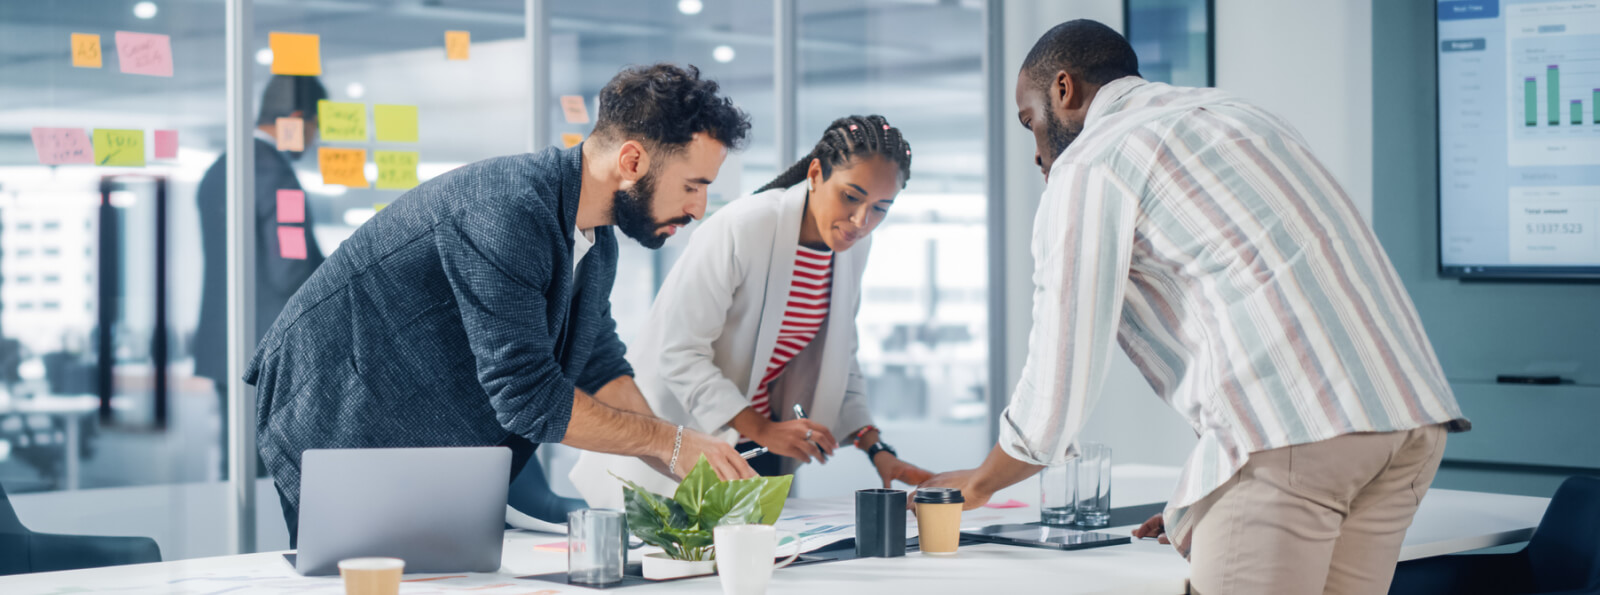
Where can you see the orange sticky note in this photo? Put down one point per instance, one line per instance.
(571, 139)
(457, 44)
(296, 53)
(85, 50)
(345, 167)
(575, 110)
(292, 242)
(291, 134)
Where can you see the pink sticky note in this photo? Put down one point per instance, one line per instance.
(166, 144)
(559, 546)
(1007, 504)
(291, 206)
(292, 242)
(144, 53)
(57, 146)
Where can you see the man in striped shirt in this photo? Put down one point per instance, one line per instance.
(1198, 232)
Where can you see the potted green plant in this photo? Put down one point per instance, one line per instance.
(681, 524)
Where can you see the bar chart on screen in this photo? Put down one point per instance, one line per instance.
(1553, 62)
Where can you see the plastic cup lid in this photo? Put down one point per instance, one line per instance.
(939, 496)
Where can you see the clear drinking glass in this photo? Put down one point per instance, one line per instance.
(1058, 494)
(1094, 485)
(596, 544)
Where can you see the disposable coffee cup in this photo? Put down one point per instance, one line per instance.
(371, 576)
(938, 520)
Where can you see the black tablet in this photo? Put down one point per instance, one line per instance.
(1058, 538)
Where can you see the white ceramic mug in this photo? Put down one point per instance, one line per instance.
(745, 555)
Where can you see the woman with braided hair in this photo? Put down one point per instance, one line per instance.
(758, 316)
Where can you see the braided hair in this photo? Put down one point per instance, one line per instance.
(845, 139)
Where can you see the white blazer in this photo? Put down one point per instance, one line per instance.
(712, 329)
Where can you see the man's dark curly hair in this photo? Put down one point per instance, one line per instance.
(663, 106)
(1092, 52)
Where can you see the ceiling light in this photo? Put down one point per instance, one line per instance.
(264, 56)
(690, 6)
(723, 54)
(145, 10)
(355, 90)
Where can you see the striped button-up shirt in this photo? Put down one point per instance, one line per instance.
(1199, 233)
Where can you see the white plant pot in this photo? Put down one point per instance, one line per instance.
(659, 566)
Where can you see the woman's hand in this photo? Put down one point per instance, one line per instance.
(1155, 527)
(891, 468)
(798, 439)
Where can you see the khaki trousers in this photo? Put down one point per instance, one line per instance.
(1325, 517)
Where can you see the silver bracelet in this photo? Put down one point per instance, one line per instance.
(677, 443)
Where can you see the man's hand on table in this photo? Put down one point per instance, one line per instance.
(891, 468)
(962, 480)
(1155, 527)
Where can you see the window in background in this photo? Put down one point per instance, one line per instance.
(924, 312)
(1173, 40)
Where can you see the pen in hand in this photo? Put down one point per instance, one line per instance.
(800, 413)
(753, 453)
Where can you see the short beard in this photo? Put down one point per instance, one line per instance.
(1059, 134)
(631, 212)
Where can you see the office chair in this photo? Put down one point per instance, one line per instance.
(23, 551)
(1563, 558)
(530, 494)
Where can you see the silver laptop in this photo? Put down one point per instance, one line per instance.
(439, 509)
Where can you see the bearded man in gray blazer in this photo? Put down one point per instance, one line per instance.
(475, 309)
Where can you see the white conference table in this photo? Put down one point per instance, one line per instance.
(1448, 522)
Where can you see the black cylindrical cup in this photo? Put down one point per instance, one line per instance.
(880, 523)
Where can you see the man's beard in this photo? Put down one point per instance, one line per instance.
(1059, 135)
(631, 212)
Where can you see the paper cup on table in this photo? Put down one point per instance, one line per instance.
(371, 576)
(938, 520)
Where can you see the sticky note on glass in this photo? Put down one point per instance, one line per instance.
(291, 206)
(397, 170)
(166, 144)
(291, 134)
(85, 50)
(60, 146)
(121, 148)
(295, 53)
(148, 54)
(378, 206)
(292, 242)
(338, 121)
(574, 108)
(344, 167)
(571, 139)
(395, 123)
(457, 44)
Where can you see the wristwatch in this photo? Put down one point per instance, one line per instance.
(877, 447)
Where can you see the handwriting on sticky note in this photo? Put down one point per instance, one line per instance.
(344, 167)
(59, 146)
(292, 242)
(457, 44)
(395, 123)
(119, 147)
(571, 139)
(295, 53)
(148, 54)
(397, 170)
(166, 144)
(573, 108)
(291, 206)
(291, 134)
(342, 121)
(85, 50)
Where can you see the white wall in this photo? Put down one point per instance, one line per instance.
(1308, 60)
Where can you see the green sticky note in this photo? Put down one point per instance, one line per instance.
(396, 123)
(119, 147)
(342, 121)
(397, 170)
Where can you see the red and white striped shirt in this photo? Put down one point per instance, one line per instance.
(802, 317)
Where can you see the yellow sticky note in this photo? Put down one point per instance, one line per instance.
(119, 147)
(395, 123)
(571, 139)
(338, 121)
(378, 206)
(344, 167)
(397, 170)
(295, 53)
(85, 50)
(456, 44)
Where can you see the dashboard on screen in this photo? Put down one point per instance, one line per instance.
(1519, 138)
